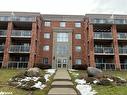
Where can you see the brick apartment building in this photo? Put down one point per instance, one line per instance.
(98, 40)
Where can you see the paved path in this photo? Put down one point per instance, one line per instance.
(62, 84)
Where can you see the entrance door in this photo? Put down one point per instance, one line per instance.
(62, 62)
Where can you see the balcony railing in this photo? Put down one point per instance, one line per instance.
(103, 50)
(123, 66)
(17, 64)
(23, 18)
(19, 49)
(103, 35)
(3, 33)
(4, 18)
(1, 48)
(108, 21)
(122, 36)
(21, 33)
(105, 66)
(122, 51)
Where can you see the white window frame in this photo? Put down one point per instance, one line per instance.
(46, 48)
(78, 36)
(78, 48)
(78, 61)
(62, 24)
(47, 35)
(77, 24)
(47, 23)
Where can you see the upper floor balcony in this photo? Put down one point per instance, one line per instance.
(108, 21)
(103, 35)
(21, 33)
(1, 48)
(123, 51)
(122, 36)
(104, 50)
(3, 33)
(5, 18)
(19, 49)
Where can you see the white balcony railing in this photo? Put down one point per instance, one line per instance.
(103, 50)
(122, 36)
(103, 35)
(21, 33)
(17, 64)
(3, 33)
(123, 51)
(1, 48)
(105, 66)
(19, 49)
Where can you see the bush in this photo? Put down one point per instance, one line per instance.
(80, 67)
(43, 66)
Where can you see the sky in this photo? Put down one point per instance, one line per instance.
(71, 7)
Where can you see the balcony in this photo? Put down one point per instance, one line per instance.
(4, 18)
(23, 18)
(108, 21)
(19, 49)
(103, 35)
(3, 33)
(122, 36)
(17, 64)
(105, 66)
(123, 66)
(21, 33)
(123, 51)
(1, 48)
(103, 50)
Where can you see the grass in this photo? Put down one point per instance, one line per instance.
(6, 74)
(106, 90)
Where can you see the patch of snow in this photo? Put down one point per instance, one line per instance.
(80, 81)
(50, 71)
(111, 80)
(47, 77)
(86, 90)
(39, 85)
(73, 70)
(30, 78)
(95, 81)
(122, 78)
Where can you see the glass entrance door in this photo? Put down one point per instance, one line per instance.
(62, 62)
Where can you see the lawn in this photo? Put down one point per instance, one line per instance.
(105, 90)
(6, 74)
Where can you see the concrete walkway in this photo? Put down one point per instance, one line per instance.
(62, 84)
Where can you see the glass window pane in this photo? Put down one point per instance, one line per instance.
(78, 61)
(46, 48)
(62, 37)
(47, 23)
(62, 24)
(46, 35)
(78, 48)
(77, 24)
(77, 36)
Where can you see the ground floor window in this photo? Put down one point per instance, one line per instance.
(45, 60)
(78, 61)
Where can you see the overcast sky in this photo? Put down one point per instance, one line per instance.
(79, 7)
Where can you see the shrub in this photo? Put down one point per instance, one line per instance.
(80, 67)
(43, 66)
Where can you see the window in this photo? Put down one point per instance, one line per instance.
(46, 48)
(78, 48)
(45, 60)
(62, 49)
(62, 24)
(47, 35)
(77, 36)
(77, 24)
(62, 37)
(78, 61)
(47, 23)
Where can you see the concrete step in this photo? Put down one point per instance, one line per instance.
(62, 84)
(62, 91)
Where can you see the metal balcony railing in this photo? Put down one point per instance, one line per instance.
(19, 49)
(1, 48)
(105, 66)
(23, 18)
(103, 50)
(21, 33)
(123, 66)
(103, 35)
(108, 21)
(4, 18)
(123, 50)
(3, 33)
(122, 36)
(17, 64)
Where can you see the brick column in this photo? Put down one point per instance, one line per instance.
(32, 46)
(91, 46)
(7, 45)
(116, 48)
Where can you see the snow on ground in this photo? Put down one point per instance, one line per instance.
(111, 80)
(30, 78)
(84, 89)
(50, 71)
(39, 85)
(47, 77)
(121, 78)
